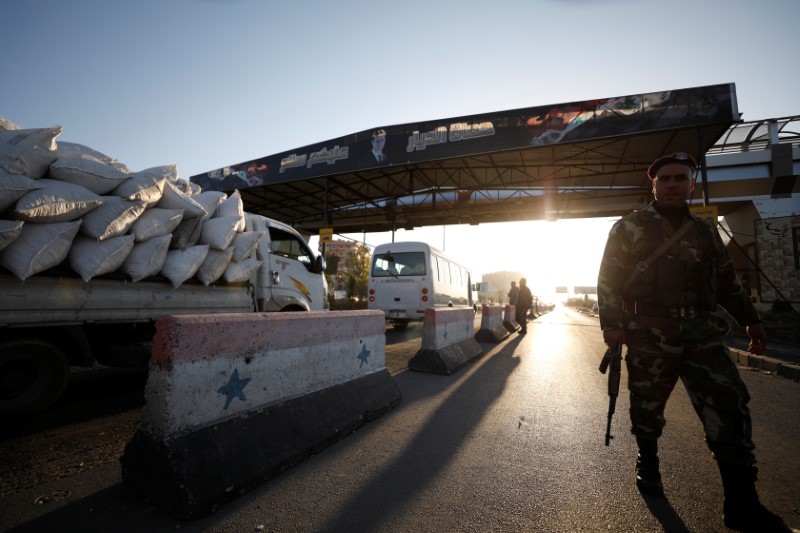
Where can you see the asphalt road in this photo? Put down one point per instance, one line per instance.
(512, 442)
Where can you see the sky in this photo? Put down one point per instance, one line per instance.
(203, 84)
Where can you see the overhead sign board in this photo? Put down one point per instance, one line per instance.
(585, 289)
(470, 135)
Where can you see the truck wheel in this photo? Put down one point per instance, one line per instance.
(399, 324)
(33, 375)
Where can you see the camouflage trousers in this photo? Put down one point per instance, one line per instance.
(717, 392)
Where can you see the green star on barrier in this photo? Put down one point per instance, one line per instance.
(233, 389)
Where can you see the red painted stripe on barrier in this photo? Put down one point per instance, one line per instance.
(191, 337)
(442, 316)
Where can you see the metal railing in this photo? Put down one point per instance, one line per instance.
(758, 135)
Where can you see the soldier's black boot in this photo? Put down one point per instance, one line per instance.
(648, 477)
(741, 509)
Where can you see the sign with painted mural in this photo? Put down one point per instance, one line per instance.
(478, 134)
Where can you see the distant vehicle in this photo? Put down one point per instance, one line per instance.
(407, 278)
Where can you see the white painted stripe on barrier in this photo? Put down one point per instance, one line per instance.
(492, 317)
(510, 317)
(209, 368)
(445, 327)
(492, 328)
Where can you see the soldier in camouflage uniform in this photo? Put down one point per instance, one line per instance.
(661, 308)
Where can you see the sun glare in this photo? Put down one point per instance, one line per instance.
(550, 254)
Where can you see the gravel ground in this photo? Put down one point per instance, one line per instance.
(35, 459)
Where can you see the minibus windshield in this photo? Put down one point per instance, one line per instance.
(399, 264)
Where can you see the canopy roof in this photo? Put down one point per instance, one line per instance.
(574, 160)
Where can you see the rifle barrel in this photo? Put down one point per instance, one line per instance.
(613, 359)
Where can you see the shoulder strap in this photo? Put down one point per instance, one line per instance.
(641, 266)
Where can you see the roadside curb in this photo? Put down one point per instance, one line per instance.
(768, 364)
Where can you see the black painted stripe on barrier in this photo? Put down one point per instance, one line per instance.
(446, 360)
(190, 474)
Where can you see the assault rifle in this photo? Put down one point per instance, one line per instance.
(612, 358)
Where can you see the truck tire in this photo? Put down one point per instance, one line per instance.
(33, 375)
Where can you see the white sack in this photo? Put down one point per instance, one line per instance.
(241, 272)
(57, 201)
(13, 187)
(210, 201)
(172, 198)
(28, 151)
(90, 258)
(9, 231)
(155, 222)
(263, 249)
(98, 177)
(146, 258)
(113, 218)
(218, 233)
(168, 172)
(214, 265)
(6, 125)
(244, 245)
(184, 186)
(67, 150)
(187, 233)
(181, 265)
(39, 247)
(145, 186)
(232, 207)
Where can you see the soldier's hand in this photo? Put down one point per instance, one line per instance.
(612, 337)
(758, 339)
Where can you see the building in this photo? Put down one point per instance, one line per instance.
(340, 249)
(778, 258)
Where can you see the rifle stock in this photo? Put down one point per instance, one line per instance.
(612, 359)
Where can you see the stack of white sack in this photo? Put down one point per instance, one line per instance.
(65, 207)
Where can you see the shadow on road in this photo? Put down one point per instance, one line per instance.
(433, 447)
(665, 514)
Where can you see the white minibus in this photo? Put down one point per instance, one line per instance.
(408, 277)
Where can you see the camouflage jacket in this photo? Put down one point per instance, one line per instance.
(699, 251)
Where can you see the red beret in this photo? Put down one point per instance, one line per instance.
(678, 157)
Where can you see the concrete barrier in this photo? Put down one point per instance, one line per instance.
(492, 329)
(777, 366)
(448, 342)
(234, 399)
(510, 318)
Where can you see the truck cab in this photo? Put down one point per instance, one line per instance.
(291, 276)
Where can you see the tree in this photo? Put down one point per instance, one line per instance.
(357, 267)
